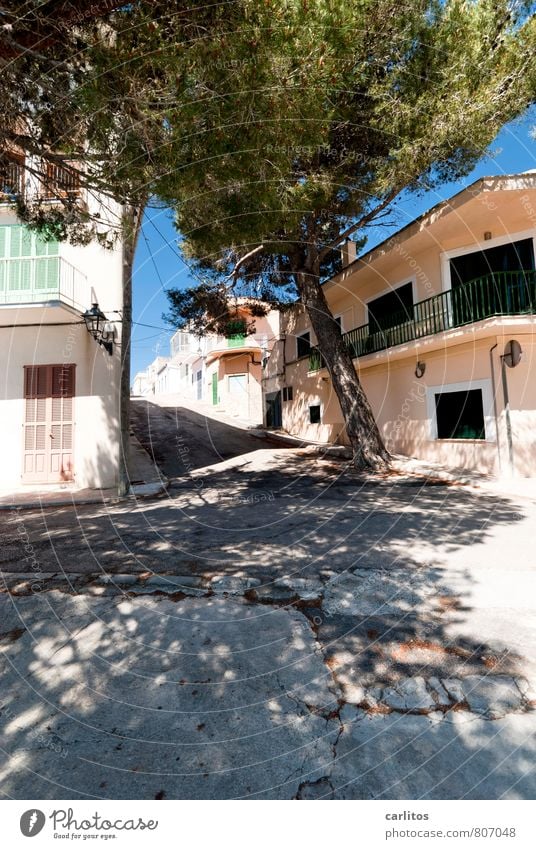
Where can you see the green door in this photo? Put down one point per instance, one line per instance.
(215, 388)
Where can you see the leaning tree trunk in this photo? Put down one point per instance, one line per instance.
(132, 216)
(362, 431)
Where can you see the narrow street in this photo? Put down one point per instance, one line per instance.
(275, 626)
(183, 437)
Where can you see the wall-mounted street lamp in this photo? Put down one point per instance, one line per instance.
(99, 327)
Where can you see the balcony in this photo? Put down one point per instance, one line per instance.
(12, 179)
(41, 280)
(500, 293)
(54, 182)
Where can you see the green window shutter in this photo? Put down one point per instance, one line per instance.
(52, 272)
(43, 248)
(3, 241)
(47, 273)
(25, 274)
(14, 276)
(40, 247)
(41, 274)
(15, 234)
(25, 242)
(2, 275)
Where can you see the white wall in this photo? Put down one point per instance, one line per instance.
(96, 403)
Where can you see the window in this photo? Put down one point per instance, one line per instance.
(460, 415)
(338, 320)
(513, 256)
(26, 261)
(186, 369)
(314, 414)
(396, 307)
(288, 393)
(500, 284)
(237, 384)
(303, 345)
(12, 174)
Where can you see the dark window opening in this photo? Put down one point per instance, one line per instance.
(394, 308)
(494, 281)
(273, 410)
(303, 345)
(515, 256)
(460, 415)
(288, 394)
(314, 414)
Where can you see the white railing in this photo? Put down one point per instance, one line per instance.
(37, 280)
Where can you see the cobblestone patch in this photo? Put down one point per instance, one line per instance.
(374, 593)
(491, 696)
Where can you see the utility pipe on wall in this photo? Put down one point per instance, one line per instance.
(494, 391)
(507, 416)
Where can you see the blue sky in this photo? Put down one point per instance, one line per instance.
(158, 265)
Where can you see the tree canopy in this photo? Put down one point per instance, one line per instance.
(334, 109)
(274, 129)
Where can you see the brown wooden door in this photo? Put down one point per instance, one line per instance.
(48, 424)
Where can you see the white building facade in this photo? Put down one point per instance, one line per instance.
(59, 389)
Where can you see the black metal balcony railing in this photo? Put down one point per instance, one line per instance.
(499, 293)
(12, 178)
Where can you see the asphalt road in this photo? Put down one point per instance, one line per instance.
(273, 627)
(181, 439)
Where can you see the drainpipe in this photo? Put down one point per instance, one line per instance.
(507, 417)
(491, 350)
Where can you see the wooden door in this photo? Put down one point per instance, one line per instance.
(215, 387)
(48, 424)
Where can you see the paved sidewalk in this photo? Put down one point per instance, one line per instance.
(145, 478)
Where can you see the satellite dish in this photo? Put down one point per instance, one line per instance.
(512, 353)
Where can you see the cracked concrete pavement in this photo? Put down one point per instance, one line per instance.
(275, 627)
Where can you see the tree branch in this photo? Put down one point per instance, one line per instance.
(358, 224)
(241, 262)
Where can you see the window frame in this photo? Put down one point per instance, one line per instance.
(454, 253)
(388, 291)
(301, 336)
(490, 430)
(229, 379)
(310, 407)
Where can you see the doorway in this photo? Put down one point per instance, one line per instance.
(48, 424)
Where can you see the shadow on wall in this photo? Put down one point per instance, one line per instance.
(99, 463)
(114, 697)
(411, 438)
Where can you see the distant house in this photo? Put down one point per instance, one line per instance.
(222, 371)
(429, 316)
(140, 384)
(59, 389)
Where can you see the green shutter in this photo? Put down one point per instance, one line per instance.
(52, 272)
(15, 234)
(25, 242)
(33, 263)
(41, 274)
(14, 276)
(25, 274)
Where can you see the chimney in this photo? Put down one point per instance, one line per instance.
(348, 252)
